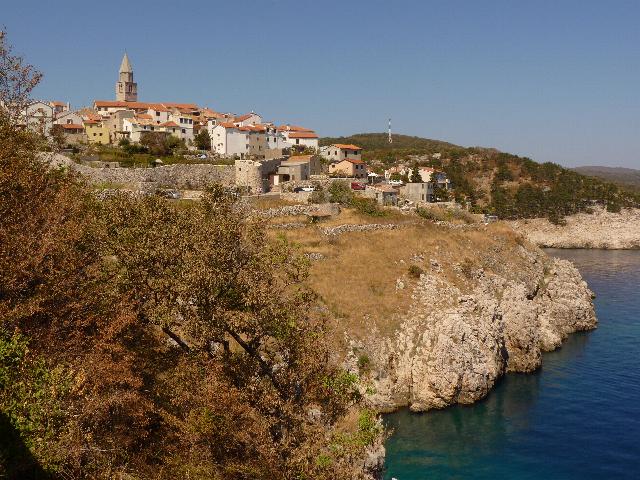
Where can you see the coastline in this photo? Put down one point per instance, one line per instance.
(599, 230)
(453, 350)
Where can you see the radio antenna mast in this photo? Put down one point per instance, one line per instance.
(390, 139)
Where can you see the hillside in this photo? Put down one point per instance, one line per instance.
(626, 177)
(491, 181)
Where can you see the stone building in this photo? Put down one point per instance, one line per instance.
(126, 88)
(256, 176)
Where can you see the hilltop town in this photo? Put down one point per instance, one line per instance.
(265, 157)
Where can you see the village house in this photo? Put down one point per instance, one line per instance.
(418, 192)
(68, 118)
(339, 152)
(295, 136)
(247, 120)
(256, 176)
(115, 124)
(355, 168)
(38, 117)
(228, 140)
(96, 132)
(59, 107)
(298, 167)
(383, 194)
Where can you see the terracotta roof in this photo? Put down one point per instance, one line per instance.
(303, 135)
(342, 146)
(244, 117)
(305, 158)
(192, 106)
(293, 128)
(158, 107)
(145, 105)
(227, 125)
(58, 104)
(145, 116)
(354, 161)
(169, 124)
(90, 122)
(71, 126)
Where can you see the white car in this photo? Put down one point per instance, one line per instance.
(396, 183)
(308, 188)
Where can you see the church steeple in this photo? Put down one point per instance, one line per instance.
(125, 66)
(126, 88)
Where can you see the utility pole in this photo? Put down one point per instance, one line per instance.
(390, 139)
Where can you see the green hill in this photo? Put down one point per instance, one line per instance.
(625, 177)
(496, 182)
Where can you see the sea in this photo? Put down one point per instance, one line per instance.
(578, 417)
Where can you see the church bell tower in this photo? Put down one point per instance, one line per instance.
(126, 88)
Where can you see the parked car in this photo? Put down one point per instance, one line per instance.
(358, 186)
(308, 188)
(396, 183)
(202, 155)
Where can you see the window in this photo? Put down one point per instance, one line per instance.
(157, 114)
(297, 141)
(184, 130)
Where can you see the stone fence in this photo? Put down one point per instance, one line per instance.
(178, 176)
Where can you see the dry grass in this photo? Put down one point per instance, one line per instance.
(358, 277)
(264, 202)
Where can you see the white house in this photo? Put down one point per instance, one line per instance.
(38, 117)
(228, 140)
(159, 113)
(68, 118)
(247, 119)
(293, 135)
(339, 152)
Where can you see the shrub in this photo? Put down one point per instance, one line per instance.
(415, 271)
(367, 206)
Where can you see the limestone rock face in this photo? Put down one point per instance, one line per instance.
(453, 347)
(601, 229)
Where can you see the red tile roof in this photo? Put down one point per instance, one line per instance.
(346, 147)
(303, 135)
(293, 128)
(72, 126)
(244, 117)
(169, 124)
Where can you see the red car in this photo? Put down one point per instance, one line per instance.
(357, 186)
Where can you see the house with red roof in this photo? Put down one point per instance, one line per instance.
(338, 152)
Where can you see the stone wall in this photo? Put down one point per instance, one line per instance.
(180, 176)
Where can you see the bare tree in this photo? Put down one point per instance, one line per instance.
(17, 81)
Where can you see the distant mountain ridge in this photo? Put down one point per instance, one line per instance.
(627, 177)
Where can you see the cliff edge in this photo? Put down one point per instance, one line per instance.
(600, 229)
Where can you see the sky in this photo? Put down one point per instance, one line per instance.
(554, 80)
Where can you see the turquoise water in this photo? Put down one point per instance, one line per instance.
(577, 418)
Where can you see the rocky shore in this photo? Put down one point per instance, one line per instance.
(453, 345)
(601, 229)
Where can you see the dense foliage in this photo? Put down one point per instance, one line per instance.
(495, 182)
(143, 338)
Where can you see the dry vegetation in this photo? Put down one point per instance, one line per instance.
(358, 278)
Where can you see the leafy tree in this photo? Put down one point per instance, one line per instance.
(415, 175)
(140, 337)
(203, 140)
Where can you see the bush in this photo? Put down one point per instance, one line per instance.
(367, 206)
(340, 192)
(415, 271)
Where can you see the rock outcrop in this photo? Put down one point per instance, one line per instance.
(601, 229)
(453, 345)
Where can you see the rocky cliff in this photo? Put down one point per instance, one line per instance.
(601, 229)
(461, 335)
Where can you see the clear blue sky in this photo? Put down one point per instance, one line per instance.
(556, 80)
